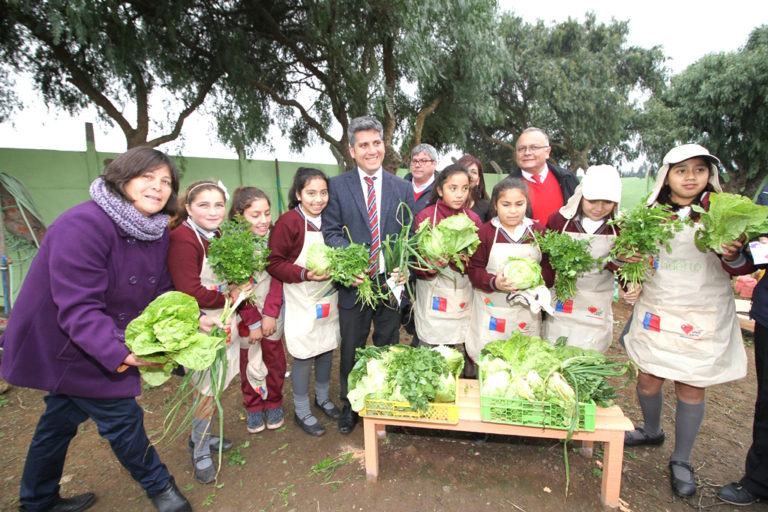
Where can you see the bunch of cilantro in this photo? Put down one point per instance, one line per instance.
(237, 254)
(729, 217)
(642, 231)
(344, 264)
(454, 237)
(167, 332)
(569, 257)
(404, 374)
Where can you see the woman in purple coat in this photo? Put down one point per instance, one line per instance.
(100, 264)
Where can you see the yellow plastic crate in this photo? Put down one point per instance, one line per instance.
(514, 411)
(443, 412)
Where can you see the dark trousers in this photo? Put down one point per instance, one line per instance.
(120, 421)
(273, 355)
(756, 468)
(355, 326)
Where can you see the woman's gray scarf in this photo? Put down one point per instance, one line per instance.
(126, 216)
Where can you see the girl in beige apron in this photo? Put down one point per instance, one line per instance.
(586, 319)
(443, 303)
(684, 324)
(310, 302)
(493, 316)
(262, 356)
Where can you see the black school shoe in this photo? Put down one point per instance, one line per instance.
(213, 443)
(347, 420)
(683, 487)
(170, 499)
(328, 408)
(640, 437)
(314, 430)
(74, 504)
(736, 494)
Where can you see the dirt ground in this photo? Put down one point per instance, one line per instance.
(419, 470)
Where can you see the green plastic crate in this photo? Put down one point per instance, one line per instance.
(515, 411)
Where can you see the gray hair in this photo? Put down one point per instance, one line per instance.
(534, 129)
(362, 124)
(425, 148)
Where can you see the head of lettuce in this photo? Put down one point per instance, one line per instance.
(167, 332)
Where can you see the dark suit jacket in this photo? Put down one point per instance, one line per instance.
(346, 207)
(424, 197)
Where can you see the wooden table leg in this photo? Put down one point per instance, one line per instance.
(371, 449)
(612, 459)
(587, 448)
(381, 431)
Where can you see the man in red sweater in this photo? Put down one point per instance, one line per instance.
(549, 186)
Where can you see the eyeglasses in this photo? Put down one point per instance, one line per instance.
(534, 149)
(422, 161)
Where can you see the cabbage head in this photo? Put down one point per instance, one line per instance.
(524, 273)
(319, 258)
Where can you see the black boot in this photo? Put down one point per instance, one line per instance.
(170, 499)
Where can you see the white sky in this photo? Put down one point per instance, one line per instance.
(686, 30)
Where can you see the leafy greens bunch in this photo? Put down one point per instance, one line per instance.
(344, 264)
(569, 257)
(729, 217)
(453, 237)
(237, 254)
(167, 332)
(643, 231)
(404, 374)
(524, 273)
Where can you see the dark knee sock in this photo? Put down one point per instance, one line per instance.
(651, 406)
(687, 422)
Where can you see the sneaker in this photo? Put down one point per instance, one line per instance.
(275, 418)
(255, 422)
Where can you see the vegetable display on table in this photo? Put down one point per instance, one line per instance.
(642, 231)
(569, 257)
(455, 237)
(404, 374)
(729, 216)
(524, 273)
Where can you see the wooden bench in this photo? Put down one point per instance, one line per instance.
(610, 426)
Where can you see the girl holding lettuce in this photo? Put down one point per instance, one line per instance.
(497, 310)
(587, 318)
(202, 210)
(684, 324)
(443, 299)
(311, 303)
(260, 326)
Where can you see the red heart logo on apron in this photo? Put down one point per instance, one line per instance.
(522, 325)
(461, 306)
(592, 309)
(687, 328)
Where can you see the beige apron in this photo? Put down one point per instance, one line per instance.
(311, 323)
(684, 325)
(587, 318)
(209, 280)
(492, 318)
(443, 305)
(256, 370)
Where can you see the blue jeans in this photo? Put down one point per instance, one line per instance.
(120, 421)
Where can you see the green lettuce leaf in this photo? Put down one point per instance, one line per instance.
(729, 217)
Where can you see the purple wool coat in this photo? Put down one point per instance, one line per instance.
(87, 281)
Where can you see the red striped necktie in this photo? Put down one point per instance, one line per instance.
(373, 224)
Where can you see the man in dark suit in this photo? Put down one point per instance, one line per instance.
(422, 175)
(365, 201)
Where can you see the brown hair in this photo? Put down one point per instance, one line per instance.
(188, 196)
(508, 183)
(478, 192)
(135, 162)
(303, 176)
(243, 197)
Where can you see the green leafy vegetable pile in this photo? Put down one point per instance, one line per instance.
(404, 374)
(233, 256)
(524, 273)
(453, 237)
(167, 332)
(569, 257)
(729, 217)
(643, 231)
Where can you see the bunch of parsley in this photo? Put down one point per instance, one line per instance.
(233, 256)
(643, 231)
(569, 257)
